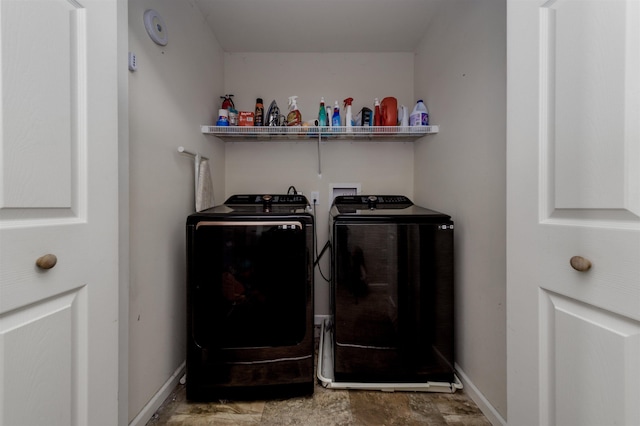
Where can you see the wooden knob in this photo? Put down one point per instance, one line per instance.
(579, 263)
(47, 261)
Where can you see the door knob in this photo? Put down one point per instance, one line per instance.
(579, 263)
(47, 261)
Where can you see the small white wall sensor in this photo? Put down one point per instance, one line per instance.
(133, 62)
(156, 28)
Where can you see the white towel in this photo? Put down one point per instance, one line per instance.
(204, 186)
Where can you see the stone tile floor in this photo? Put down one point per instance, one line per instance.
(326, 407)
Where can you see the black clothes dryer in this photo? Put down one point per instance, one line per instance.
(392, 291)
(250, 299)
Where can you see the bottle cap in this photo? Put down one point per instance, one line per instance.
(259, 100)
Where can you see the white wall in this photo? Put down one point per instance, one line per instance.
(460, 70)
(174, 91)
(381, 166)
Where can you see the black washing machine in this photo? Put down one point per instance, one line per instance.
(250, 299)
(392, 291)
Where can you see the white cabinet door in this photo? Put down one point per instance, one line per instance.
(58, 195)
(573, 133)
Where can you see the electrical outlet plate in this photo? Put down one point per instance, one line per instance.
(315, 195)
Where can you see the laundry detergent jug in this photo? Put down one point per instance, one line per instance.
(389, 111)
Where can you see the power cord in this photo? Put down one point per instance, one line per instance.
(324, 249)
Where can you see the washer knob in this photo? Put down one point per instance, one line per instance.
(371, 201)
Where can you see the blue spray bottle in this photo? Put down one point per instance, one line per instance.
(335, 119)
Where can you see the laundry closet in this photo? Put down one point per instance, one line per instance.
(457, 66)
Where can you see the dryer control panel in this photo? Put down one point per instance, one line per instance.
(259, 199)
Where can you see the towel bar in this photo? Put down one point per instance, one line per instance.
(184, 151)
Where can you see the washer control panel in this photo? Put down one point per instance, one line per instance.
(372, 199)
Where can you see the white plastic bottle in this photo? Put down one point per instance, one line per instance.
(419, 115)
(403, 116)
(348, 117)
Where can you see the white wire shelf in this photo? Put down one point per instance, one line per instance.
(285, 133)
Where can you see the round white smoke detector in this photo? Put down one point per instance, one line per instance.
(156, 28)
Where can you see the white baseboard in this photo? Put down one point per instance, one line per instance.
(152, 406)
(474, 393)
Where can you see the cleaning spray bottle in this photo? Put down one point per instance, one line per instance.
(322, 114)
(348, 117)
(294, 118)
(335, 119)
(403, 116)
(377, 117)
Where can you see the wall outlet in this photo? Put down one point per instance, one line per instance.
(315, 198)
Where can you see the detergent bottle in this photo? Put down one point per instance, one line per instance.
(294, 118)
(348, 121)
(223, 117)
(389, 111)
(335, 119)
(419, 115)
(366, 117)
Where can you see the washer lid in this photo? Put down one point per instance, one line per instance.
(382, 207)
